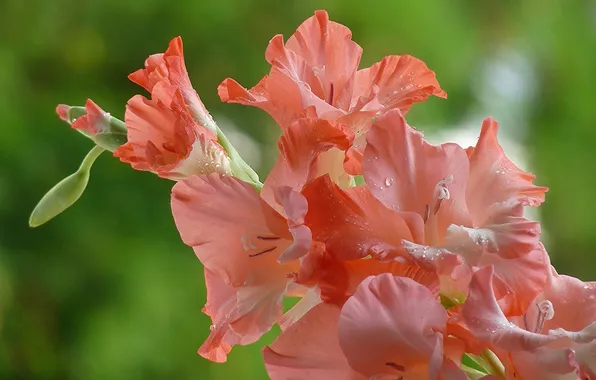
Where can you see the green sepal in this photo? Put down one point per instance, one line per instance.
(110, 140)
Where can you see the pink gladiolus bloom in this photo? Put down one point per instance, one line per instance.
(470, 203)
(171, 134)
(315, 74)
(554, 340)
(425, 265)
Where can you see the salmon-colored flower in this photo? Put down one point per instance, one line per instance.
(171, 134)
(315, 74)
(469, 202)
(555, 339)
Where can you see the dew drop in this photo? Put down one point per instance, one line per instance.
(212, 327)
(388, 181)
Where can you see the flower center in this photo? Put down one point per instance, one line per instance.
(255, 245)
(545, 312)
(440, 193)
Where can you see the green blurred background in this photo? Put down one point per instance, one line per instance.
(107, 290)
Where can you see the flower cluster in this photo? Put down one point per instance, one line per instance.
(410, 260)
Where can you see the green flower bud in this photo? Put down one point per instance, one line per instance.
(65, 193)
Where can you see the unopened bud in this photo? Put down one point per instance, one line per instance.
(93, 122)
(65, 193)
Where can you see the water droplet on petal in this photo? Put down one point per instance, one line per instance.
(388, 181)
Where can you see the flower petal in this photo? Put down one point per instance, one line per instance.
(301, 159)
(309, 349)
(240, 315)
(327, 47)
(487, 322)
(408, 174)
(353, 224)
(494, 179)
(221, 218)
(167, 141)
(164, 74)
(378, 336)
(395, 82)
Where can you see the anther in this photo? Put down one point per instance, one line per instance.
(262, 252)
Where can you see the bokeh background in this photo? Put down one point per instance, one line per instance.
(108, 291)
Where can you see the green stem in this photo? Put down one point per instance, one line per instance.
(90, 158)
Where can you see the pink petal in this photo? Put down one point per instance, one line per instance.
(221, 218)
(544, 364)
(328, 48)
(393, 325)
(509, 237)
(395, 82)
(487, 322)
(525, 276)
(95, 121)
(494, 179)
(404, 172)
(168, 141)
(240, 315)
(309, 349)
(294, 206)
(300, 160)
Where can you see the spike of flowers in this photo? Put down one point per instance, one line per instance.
(428, 269)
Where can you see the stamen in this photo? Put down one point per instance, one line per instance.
(396, 366)
(262, 252)
(546, 312)
(330, 101)
(268, 238)
(426, 213)
(441, 190)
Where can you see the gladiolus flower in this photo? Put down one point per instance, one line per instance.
(171, 134)
(315, 74)
(555, 339)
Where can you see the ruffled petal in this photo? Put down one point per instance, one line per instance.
(309, 349)
(167, 141)
(327, 47)
(301, 159)
(166, 73)
(394, 82)
(240, 315)
(353, 224)
(495, 180)
(379, 336)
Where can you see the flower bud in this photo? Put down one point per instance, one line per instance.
(65, 193)
(93, 122)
